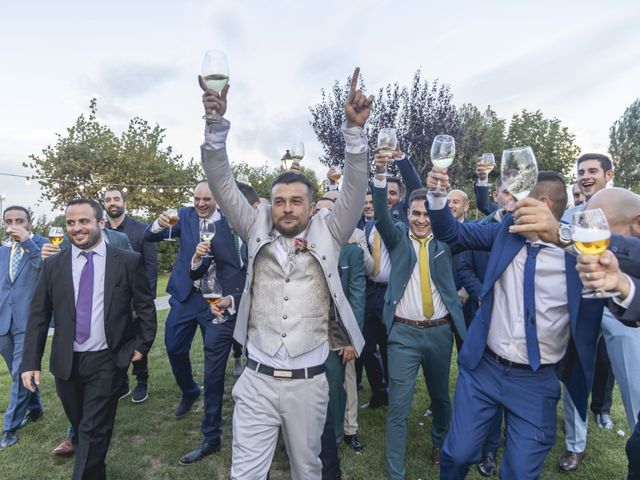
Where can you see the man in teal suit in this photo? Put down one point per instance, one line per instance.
(421, 311)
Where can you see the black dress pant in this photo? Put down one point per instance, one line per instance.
(90, 398)
(603, 380)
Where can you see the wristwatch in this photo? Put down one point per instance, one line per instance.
(565, 232)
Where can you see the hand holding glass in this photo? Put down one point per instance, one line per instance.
(519, 171)
(443, 151)
(488, 162)
(207, 232)
(591, 235)
(215, 70)
(212, 293)
(172, 213)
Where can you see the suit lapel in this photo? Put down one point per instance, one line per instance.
(574, 290)
(508, 249)
(66, 279)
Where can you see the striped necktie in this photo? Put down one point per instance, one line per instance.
(14, 262)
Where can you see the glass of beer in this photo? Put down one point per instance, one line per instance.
(335, 174)
(56, 235)
(207, 232)
(172, 213)
(212, 293)
(591, 236)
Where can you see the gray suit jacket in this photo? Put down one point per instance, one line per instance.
(327, 232)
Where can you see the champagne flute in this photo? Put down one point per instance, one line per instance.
(519, 171)
(488, 162)
(591, 235)
(56, 235)
(443, 151)
(212, 293)
(297, 151)
(387, 143)
(172, 213)
(207, 232)
(215, 70)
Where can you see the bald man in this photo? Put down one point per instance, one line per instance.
(578, 196)
(459, 204)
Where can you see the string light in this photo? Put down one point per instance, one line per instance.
(144, 189)
(27, 181)
(125, 189)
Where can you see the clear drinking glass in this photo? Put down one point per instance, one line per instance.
(488, 162)
(215, 70)
(519, 171)
(443, 151)
(56, 235)
(207, 232)
(212, 293)
(172, 213)
(297, 150)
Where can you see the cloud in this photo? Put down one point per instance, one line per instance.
(127, 80)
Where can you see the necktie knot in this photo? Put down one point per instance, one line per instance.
(534, 250)
(422, 240)
(88, 255)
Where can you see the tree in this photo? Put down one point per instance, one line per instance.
(554, 146)
(262, 177)
(91, 157)
(624, 136)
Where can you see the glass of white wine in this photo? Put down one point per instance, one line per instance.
(297, 150)
(215, 70)
(56, 235)
(443, 151)
(488, 162)
(387, 144)
(335, 173)
(207, 232)
(591, 235)
(212, 293)
(172, 213)
(519, 171)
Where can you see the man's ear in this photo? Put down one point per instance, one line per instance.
(312, 209)
(608, 175)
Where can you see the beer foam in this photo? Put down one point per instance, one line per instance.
(586, 235)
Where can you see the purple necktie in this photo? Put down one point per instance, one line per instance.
(84, 304)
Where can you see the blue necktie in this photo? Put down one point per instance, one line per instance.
(533, 349)
(14, 262)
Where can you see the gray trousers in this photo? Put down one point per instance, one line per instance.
(263, 404)
(623, 346)
(351, 409)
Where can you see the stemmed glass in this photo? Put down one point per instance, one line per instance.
(215, 70)
(443, 151)
(488, 162)
(56, 235)
(297, 151)
(207, 232)
(387, 143)
(212, 293)
(591, 235)
(172, 213)
(335, 173)
(519, 171)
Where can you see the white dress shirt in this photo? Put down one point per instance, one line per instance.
(97, 339)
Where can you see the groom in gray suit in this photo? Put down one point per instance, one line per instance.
(293, 309)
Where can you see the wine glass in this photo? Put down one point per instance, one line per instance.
(488, 162)
(443, 151)
(212, 293)
(335, 174)
(172, 213)
(7, 241)
(207, 232)
(591, 235)
(56, 235)
(215, 70)
(387, 143)
(297, 150)
(519, 171)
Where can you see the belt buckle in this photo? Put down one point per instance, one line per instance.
(288, 374)
(422, 324)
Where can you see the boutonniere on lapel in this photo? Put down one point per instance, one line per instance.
(301, 245)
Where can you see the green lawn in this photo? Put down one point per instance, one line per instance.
(148, 440)
(161, 289)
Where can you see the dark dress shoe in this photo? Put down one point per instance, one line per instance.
(186, 404)
(354, 443)
(65, 448)
(9, 438)
(141, 393)
(376, 401)
(199, 453)
(31, 416)
(487, 466)
(435, 457)
(570, 461)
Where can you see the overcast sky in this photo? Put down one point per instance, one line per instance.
(578, 61)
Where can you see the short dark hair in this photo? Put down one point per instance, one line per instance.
(417, 194)
(605, 162)
(293, 177)
(498, 182)
(115, 189)
(97, 208)
(553, 186)
(397, 181)
(249, 193)
(19, 208)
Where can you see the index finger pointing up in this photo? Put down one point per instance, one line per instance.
(354, 83)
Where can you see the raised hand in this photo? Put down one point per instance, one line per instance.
(602, 272)
(212, 100)
(357, 107)
(438, 177)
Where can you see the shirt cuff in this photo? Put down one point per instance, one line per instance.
(482, 183)
(215, 134)
(354, 138)
(195, 265)
(627, 301)
(436, 203)
(232, 308)
(402, 157)
(331, 187)
(156, 228)
(379, 183)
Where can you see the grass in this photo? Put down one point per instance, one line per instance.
(161, 289)
(148, 439)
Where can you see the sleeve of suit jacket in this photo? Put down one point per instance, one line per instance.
(410, 178)
(483, 202)
(143, 305)
(384, 221)
(630, 316)
(357, 285)
(468, 276)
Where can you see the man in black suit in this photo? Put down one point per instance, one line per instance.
(115, 205)
(89, 290)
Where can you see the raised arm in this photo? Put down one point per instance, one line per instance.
(382, 216)
(409, 176)
(216, 163)
(481, 189)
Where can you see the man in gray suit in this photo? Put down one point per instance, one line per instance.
(292, 275)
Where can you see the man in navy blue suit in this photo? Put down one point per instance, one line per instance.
(188, 309)
(526, 328)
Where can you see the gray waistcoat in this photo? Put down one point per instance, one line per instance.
(289, 308)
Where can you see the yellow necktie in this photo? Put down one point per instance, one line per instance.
(425, 280)
(377, 248)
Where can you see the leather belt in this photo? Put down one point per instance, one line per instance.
(424, 323)
(508, 363)
(371, 283)
(296, 374)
